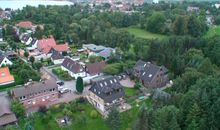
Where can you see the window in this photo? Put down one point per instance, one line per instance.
(3, 74)
(105, 83)
(101, 84)
(115, 80)
(111, 81)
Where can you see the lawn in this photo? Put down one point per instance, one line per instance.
(143, 34)
(81, 117)
(215, 30)
(63, 75)
(130, 91)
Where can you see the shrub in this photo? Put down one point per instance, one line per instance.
(93, 114)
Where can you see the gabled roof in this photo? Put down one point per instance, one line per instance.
(6, 116)
(2, 57)
(62, 47)
(34, 88)
(56, 55)
(72, 65)
(25, 24)
(5, 75)
(46, 44)
(33, 41)
(148, 70)
(95, 68)
(108, 89)
(25, 37)
(106, 52)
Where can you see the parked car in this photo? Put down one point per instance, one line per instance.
(64, 90)
(60, 83)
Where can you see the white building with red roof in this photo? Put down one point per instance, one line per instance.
(48, 45)
(25, 24)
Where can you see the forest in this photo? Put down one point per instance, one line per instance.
(193, 103)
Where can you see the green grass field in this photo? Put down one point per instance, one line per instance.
(213, 31)
(137, 32)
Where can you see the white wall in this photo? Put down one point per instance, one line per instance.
(5, 62)
(75, 75)
(59, 61)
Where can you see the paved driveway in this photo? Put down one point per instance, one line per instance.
(67, 84)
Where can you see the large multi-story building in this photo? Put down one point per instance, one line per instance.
(151, 75)
(105, 93)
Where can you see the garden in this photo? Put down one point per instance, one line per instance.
(63, 75)
(83, 116)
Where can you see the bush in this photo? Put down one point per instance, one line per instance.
(93, 114)
(62, 74)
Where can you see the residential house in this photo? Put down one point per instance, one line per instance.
(106, 53)
(57, 58)
(11, 55)
(93, 49)
(33, 45)
(5, 76)
(105, 93)
(47, 46)
(192, 9)
(74, 68)
(36, 94)
(151, 75)
(95, 68)
(25, 24)
(7, 117)
(26, 39)
(217, 6)
(4, 61)
(1, 35)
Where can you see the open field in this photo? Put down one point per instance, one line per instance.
(137, 32)
(213, 31)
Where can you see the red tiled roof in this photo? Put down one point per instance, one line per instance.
(5, 75)
(62, 47)
(25, 24)
(46, 44)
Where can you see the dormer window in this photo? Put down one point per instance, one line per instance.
(3, 74)
(143, 74)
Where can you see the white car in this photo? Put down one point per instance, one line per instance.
(64, 90)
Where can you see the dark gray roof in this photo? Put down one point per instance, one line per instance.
(35, 88)
(33, 41)
(25, 37)
(72, 65)
(56, 55)
(6, 115)
(109, 89)
(148, 70)
(1, 58)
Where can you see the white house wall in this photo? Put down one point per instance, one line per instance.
(5, 62)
